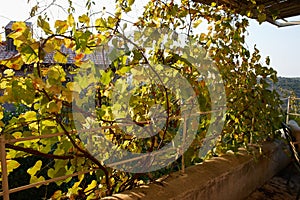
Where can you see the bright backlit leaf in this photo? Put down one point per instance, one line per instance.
(91, 186)
(11, 165)
(37, 167)
(29, 116)
(84, 19)
(44, 25)
(61, 26)
(59, 57)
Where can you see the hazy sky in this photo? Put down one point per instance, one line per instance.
(281, 44)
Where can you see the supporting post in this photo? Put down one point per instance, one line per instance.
(183, 145)
(288, 110)
(4, 168)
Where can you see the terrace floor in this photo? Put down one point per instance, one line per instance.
(277, 188)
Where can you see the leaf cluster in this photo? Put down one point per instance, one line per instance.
(253, 108)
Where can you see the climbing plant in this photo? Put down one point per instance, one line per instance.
(252, 107)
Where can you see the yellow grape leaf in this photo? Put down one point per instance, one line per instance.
(34, 179)
(29, 116)
(80, 177)
(9, 72)
(106, 77)
(44, 25)
(101, 24)
(70, 20)
(13, 63)
(34, 127)
(130, 2)
(75, 188)
(202, 37)
(11, 165)
(34, 10)
(52, 107)
(33, 170)
(57, 194)
(196, 23)
(57, 72)
(249, 13)
(60, 57)
(17, 135)
(59, 151)
(261, 17)
(36, 106)
(49, 47)
(84, 19)
(30, 53)
(51, 172)
(61, 26)
(52, 73)
(75, 87)
(91, 196)
(91, 186)
(69, 43)
(79, 57)
(208, 43)
(123, 70)
(18, 29)
(50, 123)
(68, 96)
(70, 86)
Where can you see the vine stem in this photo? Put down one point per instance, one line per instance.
(89, 156)
(160, 80)
(84, 152)
(38, 153)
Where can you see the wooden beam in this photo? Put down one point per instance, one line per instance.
(5, 186)
(288, 8)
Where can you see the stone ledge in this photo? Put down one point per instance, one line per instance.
(227, 177)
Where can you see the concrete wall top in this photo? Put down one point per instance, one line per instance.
(226, 177)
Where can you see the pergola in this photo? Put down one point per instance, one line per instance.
(282, 9)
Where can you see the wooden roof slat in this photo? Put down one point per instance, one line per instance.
(285, 8)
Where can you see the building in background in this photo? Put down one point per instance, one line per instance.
(8, 51)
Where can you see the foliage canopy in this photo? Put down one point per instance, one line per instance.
(253, 109)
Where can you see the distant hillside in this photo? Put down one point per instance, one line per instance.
(288, 86)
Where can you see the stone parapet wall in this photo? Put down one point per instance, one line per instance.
(228, 177)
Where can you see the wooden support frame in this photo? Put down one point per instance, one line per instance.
(4, 168)
(3, 142)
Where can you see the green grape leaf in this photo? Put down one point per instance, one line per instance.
(44, 25)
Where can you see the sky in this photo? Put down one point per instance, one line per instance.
(282, 45)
